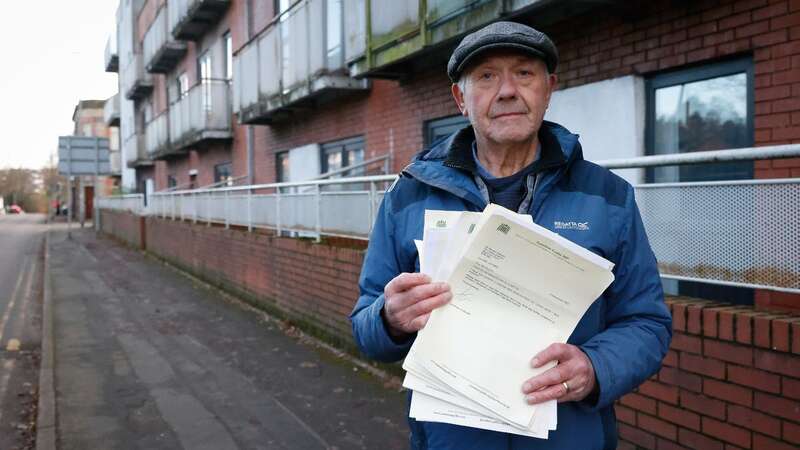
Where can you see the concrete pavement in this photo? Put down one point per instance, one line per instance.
(147, 358)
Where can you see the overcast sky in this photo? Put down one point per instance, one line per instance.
(52, 56)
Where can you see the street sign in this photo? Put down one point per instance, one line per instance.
(79, 155)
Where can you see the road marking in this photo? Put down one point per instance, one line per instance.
(8, 366)
(13, 300)
(13, 345)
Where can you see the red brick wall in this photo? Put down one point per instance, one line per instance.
(731, 378)
(123, 226)
(309, 282)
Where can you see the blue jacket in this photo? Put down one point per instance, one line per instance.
(625, 333)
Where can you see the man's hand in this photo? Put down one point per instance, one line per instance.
(572, 379)
(408, 301)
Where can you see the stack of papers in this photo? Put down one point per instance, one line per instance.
(517, 288)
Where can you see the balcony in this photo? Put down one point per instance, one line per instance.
(136, 83)
(201, 116)
(114, 163)
(392, 39)
(134, 151)
(294, 65)
(111, 55)
(191, 19)
(161, 52)
(111, 111)
(156, 138)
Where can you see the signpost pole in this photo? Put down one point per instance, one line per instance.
(69, 189)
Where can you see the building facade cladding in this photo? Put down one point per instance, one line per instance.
(604, 44)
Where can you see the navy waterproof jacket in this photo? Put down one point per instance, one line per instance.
(625, 333)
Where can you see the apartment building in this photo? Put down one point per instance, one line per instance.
(95, 118)
(250, 91)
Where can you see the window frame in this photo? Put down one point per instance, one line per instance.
(692, 74)
(430, 125)
(343, 146)
(219, 179)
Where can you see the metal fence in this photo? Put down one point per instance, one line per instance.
(133, 203)
(738, 233)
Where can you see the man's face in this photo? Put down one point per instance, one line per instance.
(505, 95)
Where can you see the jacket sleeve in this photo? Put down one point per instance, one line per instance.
(381, 265)
(638, 322)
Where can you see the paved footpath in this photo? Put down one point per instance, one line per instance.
(145, 358)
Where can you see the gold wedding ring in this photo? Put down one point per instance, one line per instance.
(566, 386)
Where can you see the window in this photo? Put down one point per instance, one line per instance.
(282, 167)
(335, 33)
(182, 84)
(205, 76)
(439, 128)
(340, 154)
(172, 182)
(227, 43)
(698, 109)
(222, 172)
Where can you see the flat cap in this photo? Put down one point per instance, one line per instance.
(502, 35)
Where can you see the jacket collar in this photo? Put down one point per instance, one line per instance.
(444, 164)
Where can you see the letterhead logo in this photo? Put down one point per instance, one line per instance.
(571, 225)
(504, 228)
(441, 223)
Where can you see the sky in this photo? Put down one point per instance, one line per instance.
(52, 56)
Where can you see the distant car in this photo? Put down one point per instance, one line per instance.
(15, 209)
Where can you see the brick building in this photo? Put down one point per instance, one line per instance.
(260, 92)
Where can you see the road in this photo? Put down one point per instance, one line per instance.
(21, 251)
(147, 358)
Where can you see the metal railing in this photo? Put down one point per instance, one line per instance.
(156, 134)
(156, 36)
(111, 111)
(299, 54)
(133, 203)
(110, 56)
(133, 148)
(737, 233)
(134, 76)
(203, 112)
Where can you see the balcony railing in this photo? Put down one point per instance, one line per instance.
(111, 111)
(381, 35)
(135, 153)
(295, 63)
(111, 56)
(156, 136)
(136, 83)
(114, 161)
(202, 115)
(161, 51)
(733, 233)
(191, 19)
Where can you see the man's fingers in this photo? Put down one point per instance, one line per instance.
(557, 391)
(553, 352)
(549, 377)
(424, 307)
(402, 301)
(419, 323)
(406, 281)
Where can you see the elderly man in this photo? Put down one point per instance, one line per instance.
(503, 76)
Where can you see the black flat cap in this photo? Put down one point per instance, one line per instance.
(502, 35)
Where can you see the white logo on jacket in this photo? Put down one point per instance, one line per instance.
(571, 225)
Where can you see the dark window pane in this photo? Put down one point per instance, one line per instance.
(439, 128)
(222, 172)
(703, 115)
